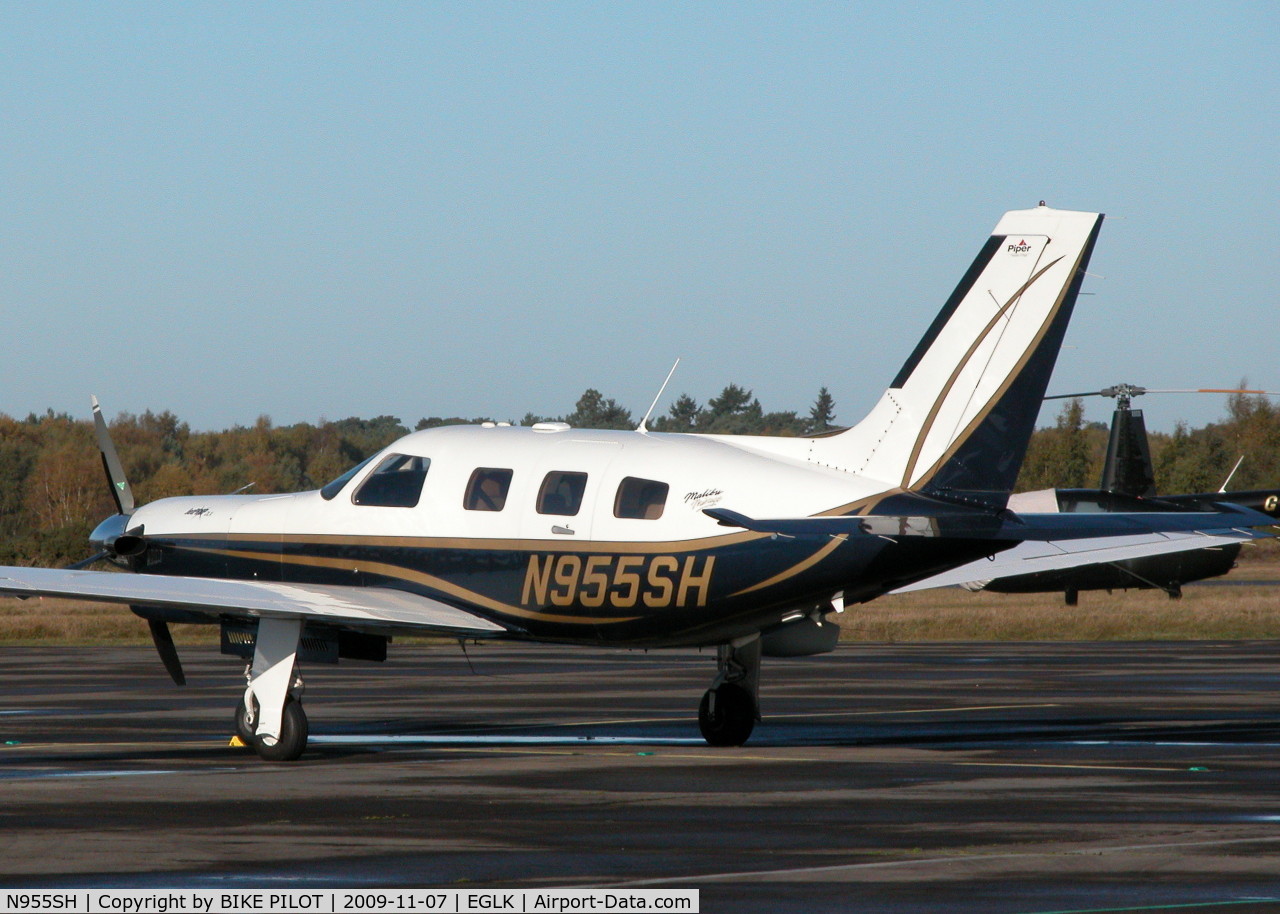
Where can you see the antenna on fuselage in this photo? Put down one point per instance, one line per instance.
(642, 427)
(1226, 482)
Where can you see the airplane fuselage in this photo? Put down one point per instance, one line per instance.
(608, 569)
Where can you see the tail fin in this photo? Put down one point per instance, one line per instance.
(1128, 469)
(959, 415)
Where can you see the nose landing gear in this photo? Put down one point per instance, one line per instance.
(294, 730)
(270, 717)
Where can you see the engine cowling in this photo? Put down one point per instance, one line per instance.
(114, 537)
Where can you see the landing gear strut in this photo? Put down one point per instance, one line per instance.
(731, 707)
(270, 716)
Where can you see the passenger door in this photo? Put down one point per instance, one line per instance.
(573, 470)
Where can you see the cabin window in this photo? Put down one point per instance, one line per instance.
(333, 488)
(638, 498)
(396, 483)
(487, 490)
(561, 493)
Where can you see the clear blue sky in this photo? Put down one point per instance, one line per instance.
(323, 210)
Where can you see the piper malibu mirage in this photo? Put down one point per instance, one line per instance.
(636, 539)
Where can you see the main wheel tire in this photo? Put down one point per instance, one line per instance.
(727, 715)
(293, 736)
(246, 723)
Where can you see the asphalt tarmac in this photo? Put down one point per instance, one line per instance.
(1001, 779)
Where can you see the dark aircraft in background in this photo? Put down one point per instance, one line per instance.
(1128, 474)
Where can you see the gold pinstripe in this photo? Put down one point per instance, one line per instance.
(1026, 356)
(501, 545)
(963, 363)
(796, 569)
(406, 574)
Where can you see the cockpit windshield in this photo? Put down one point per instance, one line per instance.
(333, 488)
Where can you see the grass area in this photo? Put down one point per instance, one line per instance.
(948, 614)
(41, 620)
(1206, 611)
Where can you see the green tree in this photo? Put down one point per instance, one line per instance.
(685, 415)
(1066, 456)
(593, 410)
(439, 422)
(1192, 461)
(786, 424)
(823, 414)
(1252, 431)
(733, 401)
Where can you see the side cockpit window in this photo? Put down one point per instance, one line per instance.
(487, 490)
(642, 499)
(333, 488)
(396, 483)
(561, 493)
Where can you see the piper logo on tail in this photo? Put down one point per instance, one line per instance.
(1021, 249)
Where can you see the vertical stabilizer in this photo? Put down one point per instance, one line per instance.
(959, 415)
(1128, 469)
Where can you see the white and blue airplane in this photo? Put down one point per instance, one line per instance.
(639, 539)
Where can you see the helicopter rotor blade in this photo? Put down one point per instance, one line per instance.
(1087, 393)
(1130, 390)
(1212, 390)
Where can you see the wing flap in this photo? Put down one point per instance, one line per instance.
(215, 596)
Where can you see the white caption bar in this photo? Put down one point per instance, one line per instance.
(330, 901)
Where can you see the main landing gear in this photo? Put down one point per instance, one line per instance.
(270, 717)
(731, 707)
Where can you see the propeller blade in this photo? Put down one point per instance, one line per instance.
(120, 490)
(167, 651)
(85, 563)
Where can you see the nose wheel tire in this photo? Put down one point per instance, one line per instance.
(727, 715)
(293, 735)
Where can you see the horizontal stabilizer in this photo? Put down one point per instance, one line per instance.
(367, 607)
(1008, 526)
(967, 526)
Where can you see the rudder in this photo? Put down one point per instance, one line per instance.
(959, 414)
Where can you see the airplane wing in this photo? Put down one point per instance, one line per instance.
(1032, 556)
(366, 607)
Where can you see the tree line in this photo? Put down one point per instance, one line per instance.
(53, 490)
(1070, 453)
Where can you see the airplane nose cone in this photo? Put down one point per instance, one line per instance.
(114, 537)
